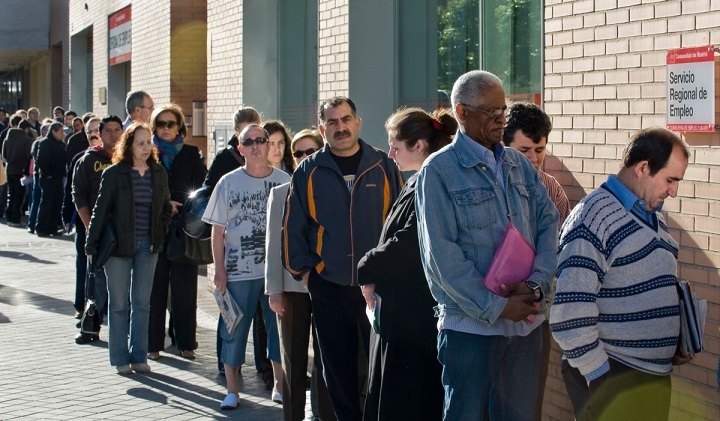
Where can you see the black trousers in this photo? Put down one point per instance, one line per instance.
(623, 393)
(50, 209)
(342, 327)
(16, 193)
(80, 265)
(295, 328)
(182, 280)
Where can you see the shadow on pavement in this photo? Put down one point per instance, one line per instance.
(18, 255)
(17, 297)
(181, 389)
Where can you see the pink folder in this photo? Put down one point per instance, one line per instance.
(512, 263)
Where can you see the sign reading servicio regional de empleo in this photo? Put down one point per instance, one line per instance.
(691, 89)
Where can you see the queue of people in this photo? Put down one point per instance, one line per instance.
(316, 234)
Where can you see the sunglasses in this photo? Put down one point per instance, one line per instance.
(257, 141)
(299, 154)
(169, 124)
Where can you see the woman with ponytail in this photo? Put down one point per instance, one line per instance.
(186, 173)
(405, 374)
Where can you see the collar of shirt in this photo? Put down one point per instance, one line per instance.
(629, 200)
(492, 158)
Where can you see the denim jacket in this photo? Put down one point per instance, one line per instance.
(462, 214)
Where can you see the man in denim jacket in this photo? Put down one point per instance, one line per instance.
(467, 194)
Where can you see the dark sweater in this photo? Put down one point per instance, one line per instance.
(229, 159)
(51, 158)
(16, 151)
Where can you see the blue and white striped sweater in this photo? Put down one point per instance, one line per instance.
(616, 295)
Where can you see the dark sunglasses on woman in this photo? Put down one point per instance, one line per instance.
(162, 124)
(309, 151)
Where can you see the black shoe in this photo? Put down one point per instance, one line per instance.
(31, 231)
(85, 338)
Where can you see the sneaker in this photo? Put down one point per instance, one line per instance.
(276, 397)
(230, 402)
(140, 367)
(124, 369)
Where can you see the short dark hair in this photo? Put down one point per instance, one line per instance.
(70, 112)
(529, 119)
(87, 116)
(55, 126)
(109, 118)
(24, 124)
(333, 102)
(59, 108)
(654, 145)
(15, 119)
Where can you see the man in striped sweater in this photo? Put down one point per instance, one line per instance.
(615, 313)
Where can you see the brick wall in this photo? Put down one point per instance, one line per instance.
(333, 45)
(224, 64)
(188, 63)
(605, 79)
(151, 49)
(60, 56)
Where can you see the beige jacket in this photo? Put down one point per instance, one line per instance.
(277, 279)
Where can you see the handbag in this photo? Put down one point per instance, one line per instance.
(181, 248)
(91, 319)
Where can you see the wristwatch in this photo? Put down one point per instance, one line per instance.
(536, 288)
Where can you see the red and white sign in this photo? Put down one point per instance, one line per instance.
(691, 89)
(120, 36)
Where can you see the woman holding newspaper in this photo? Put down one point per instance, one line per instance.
(404, 371)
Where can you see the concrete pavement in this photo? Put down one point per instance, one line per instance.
(45, 375)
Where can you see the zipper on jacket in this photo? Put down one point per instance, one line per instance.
(352, 242)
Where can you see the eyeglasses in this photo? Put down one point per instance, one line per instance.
(300, 154)
(169, 124)
(497, 112)
(257, 141)
(151, 107)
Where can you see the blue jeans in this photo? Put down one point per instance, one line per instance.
(35, 203)
(489, 377)
(130, 278)
(246, 294)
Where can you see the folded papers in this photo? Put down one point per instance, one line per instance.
(229, 310)
(374, 314)
(692, 320)
(512, 263)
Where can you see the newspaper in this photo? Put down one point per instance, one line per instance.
(374, 314)
(229, 310)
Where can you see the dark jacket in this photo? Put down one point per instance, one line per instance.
(116, 205)
(77, 143)
(229, 159)
(187, 173)
(86, 177)
(51, 158)
(68, 207)
(16, 151)
(326, 227)
(404, 380)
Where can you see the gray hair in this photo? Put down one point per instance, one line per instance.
(245, 115)
(92, 119)
(134, 100)
(472, 85)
